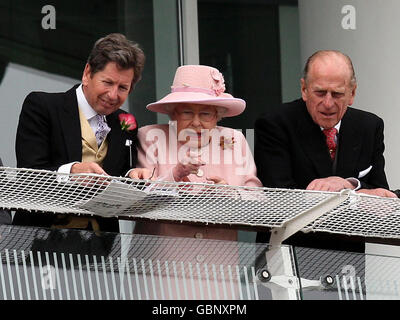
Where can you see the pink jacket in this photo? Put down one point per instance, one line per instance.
(227, 158)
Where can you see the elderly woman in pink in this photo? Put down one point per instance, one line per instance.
(192, 148)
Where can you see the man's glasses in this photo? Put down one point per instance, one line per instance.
(204, 116)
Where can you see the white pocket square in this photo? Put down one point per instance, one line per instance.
(363, 173)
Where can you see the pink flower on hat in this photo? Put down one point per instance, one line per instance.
(218, 82)
(127, 121)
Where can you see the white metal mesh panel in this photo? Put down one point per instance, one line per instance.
(364, 216)
(41, 190)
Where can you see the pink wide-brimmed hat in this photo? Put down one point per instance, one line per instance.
(201, 85)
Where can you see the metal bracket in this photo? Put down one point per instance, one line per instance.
(292, 282)
(295, 224)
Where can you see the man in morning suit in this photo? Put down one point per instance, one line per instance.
(321, 143)
(78, 131)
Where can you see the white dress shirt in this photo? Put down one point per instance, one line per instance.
(90, 115)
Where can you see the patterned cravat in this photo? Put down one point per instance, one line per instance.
(102, 129)
(330, 140)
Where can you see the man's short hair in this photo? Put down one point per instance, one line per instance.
(115, 47)
(321, 53)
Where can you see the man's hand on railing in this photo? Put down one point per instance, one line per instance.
(333, 184)
(87, 167)
(380, 192)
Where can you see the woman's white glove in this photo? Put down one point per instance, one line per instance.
(190, 164)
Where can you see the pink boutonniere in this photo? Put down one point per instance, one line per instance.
(226, 143)
(127, 121)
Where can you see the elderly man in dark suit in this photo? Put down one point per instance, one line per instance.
(321, 143)
(79, 131)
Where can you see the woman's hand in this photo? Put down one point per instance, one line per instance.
(217, 180)
(141, 173)
(190, 165)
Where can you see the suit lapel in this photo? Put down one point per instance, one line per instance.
(349, 145)
(116, 143)
(312, 141)
(70, 123)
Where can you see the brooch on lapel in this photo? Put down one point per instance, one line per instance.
(226, 143)
(128, 143)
